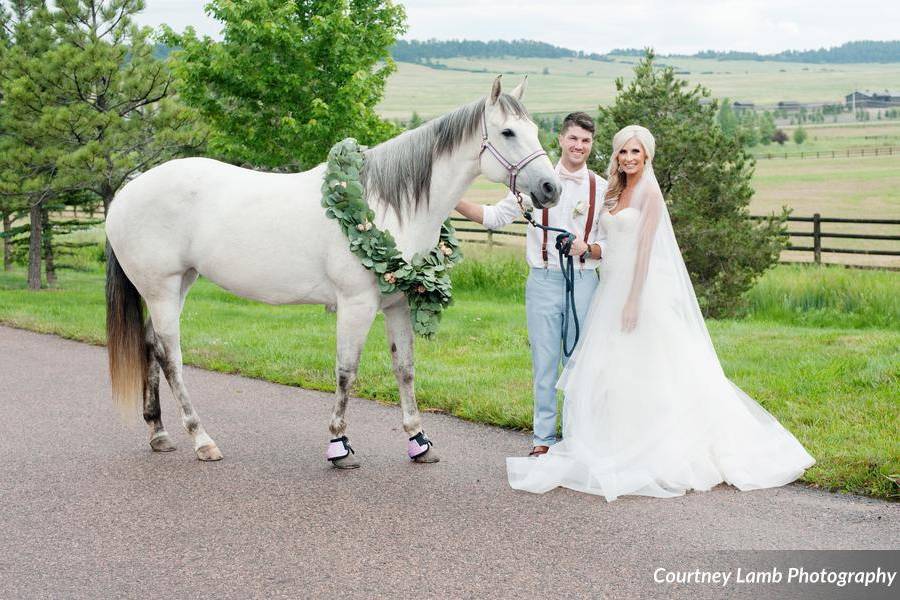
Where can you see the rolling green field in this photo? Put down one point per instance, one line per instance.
(820, 349)
(578, 84)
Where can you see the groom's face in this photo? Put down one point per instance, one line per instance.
(575, 144)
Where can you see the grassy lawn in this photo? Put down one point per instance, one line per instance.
(820, 349)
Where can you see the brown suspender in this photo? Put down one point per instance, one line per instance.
(587, 226)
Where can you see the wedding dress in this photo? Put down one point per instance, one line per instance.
(649, 411)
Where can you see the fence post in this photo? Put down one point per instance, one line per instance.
(817, 238)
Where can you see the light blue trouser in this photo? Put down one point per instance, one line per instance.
(545, 305)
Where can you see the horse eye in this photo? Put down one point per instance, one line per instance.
(508, 133)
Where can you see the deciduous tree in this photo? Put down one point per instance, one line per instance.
(290, 77)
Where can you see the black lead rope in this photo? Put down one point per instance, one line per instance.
(564, 241)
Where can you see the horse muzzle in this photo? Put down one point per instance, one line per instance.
(546, 193)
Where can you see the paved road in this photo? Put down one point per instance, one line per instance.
(87, 511)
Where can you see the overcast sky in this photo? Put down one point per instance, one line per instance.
(673, 26)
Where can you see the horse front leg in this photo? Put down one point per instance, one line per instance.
(400, 338)
(354, 319)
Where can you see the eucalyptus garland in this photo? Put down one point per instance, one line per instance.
(425, 280)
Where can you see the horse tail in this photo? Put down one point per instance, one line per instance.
(125, 337)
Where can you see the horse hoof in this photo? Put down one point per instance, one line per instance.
(428, 457)
(161, 443)
(348, 462)
(209, 453)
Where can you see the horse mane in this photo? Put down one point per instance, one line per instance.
(398, 171)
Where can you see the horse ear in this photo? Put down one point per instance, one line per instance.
(519, 91)
(495, 90)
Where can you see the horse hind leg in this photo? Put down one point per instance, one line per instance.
(159, 437)
(165, 313)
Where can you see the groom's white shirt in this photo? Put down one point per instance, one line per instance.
(564, 215)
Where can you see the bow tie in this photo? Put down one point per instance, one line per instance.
(577, 176)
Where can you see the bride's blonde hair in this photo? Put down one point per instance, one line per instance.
(616, 178)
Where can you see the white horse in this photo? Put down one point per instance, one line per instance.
(265, 236)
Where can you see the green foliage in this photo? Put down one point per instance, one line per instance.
(425, 280)
(705, 177)
(800, 135)
(290, 78)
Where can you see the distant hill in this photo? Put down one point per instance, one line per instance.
(851, 52)
(416, 51)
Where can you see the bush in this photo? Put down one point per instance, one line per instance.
(800, 135)
(705, 177)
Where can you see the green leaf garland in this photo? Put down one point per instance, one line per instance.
(425, 280)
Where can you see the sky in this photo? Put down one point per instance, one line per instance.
(669, 26)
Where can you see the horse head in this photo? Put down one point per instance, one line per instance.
(511, 152)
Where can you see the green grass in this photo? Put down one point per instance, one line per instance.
(820, 350)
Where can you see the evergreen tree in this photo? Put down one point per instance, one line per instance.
(705, 178)
(28, 166)
(289, 79)
(86, 109)
(800, 135)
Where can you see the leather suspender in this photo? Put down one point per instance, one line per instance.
(592, 198)
(590, 214)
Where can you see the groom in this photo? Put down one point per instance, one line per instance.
(578, 212)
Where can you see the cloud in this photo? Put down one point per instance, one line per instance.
(669, 26)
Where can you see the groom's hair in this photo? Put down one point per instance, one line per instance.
(580, 119)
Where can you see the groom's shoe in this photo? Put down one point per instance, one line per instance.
(538, 450)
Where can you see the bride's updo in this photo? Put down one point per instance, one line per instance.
(615, 178)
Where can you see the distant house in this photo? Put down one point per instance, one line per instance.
(789, 105)
(870, 99)
(744, 105)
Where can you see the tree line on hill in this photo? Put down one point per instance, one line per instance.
(416, 51)
(425, 51)
(851, 52)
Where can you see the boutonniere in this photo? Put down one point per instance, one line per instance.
(579, 209)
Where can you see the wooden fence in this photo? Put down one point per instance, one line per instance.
(816, 232)
(847, 153)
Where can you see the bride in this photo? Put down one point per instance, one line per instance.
(648, 408)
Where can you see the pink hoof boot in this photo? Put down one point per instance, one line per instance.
(341, 454)
(418, 445)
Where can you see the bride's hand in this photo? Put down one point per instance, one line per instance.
(629, 317)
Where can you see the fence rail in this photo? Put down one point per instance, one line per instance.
(817, 235)
(847, 153)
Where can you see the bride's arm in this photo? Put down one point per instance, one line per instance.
(650, 215)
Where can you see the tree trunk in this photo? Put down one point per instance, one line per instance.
(108, 195)
(34, 246)
(7, 247)
(47, 244)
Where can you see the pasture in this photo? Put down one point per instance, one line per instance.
(579, 84)
(818, 348)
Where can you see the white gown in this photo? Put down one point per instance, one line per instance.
(650, 412)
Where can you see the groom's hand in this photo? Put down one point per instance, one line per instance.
(578, 248)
